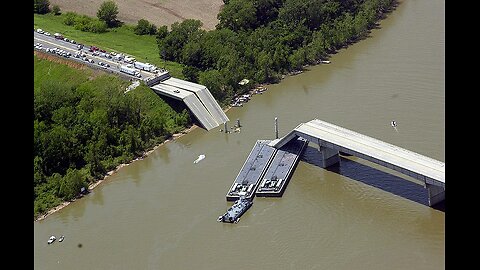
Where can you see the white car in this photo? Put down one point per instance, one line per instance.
(40, 31)
(47, 34)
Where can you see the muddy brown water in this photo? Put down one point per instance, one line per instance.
(160, 212)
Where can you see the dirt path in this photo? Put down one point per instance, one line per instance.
(159, 12)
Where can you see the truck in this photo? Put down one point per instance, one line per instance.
(129, 71)
(145, 66)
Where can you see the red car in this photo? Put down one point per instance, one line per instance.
(92, 49)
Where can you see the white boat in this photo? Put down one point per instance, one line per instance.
(325, 62)
(61, 238)
(51, 239)
(200, 157)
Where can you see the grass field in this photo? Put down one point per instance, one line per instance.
(122, 39)
(62, 74)
(158, 12)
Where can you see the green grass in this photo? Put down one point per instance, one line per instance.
(63, 74)
(121, 39)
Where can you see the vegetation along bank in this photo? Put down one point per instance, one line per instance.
(85, 125)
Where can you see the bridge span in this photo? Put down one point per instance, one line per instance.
(333, 139)
(197, 97)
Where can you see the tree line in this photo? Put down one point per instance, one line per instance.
(262, 39)
(84, 128)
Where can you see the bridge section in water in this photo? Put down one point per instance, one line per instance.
(333, 139)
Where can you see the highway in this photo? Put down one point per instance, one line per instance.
(197, 97)
(51, 42)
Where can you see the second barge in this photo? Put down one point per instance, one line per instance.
(277, 176)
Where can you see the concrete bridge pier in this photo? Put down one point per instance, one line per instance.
(436, 194)
(329, 156)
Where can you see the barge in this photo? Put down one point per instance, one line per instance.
(252, 170)
(277, 176)
(236, 210)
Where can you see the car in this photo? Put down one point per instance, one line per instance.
(47, 34)
(101, 63)
(73, 41)
(107, 65)
(66, 39)
(91, 61)
(40, 31)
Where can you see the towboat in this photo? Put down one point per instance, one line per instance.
(233, 214)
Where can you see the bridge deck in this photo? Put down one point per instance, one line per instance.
(192, 102)
(342, 139)
(203, 94)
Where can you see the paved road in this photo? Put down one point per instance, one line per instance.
(51, 42)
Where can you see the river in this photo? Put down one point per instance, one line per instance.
(160, 212)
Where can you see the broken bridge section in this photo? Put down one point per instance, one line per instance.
(333, 139)
(198, 99)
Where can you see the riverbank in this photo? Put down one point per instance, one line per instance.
(112, 172)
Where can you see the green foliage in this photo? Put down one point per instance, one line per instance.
(238, 15)
(88, 24)
(41, 6)
(84, 127)
(262, 39)
(144, 27)
(56, 10)
(180, 34)
(70, 18)
(191, 73)
(108, 12)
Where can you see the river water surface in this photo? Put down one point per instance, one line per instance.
(160, 212)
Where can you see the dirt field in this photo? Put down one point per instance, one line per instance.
(158, 12)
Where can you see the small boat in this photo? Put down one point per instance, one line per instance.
(200, 157)
(61, 238)
(325, 62)
(51, 239)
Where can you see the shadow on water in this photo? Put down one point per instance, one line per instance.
(373, 177)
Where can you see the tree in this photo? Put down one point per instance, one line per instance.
(41, 6)
(144, 27)
(108, 12)
(179, 36)
(238, 15)
(71, 184)
(190, 73)
(70, 18)
(56, 10)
